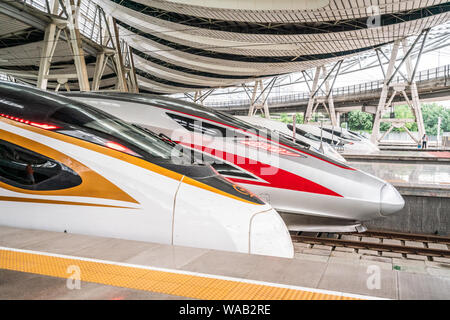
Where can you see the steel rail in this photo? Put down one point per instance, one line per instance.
(372, 246)
(405, 236)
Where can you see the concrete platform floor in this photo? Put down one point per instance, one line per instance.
(408, 174)
(417, 173)
(403, 155)
(319, 270)
(412, 147)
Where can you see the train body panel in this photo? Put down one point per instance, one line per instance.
(291, 178)
(76, 178)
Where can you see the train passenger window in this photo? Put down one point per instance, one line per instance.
(27, 169)
(195, 125)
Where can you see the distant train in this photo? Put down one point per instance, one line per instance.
(298, 182)
(339, 137)
(66, 166)
(310, 142)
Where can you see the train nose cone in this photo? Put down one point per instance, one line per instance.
(270, 236)
(390, 201)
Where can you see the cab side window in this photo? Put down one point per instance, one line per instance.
(222, 167)
(26, 169)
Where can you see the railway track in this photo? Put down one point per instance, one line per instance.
(405, 243)
(405, 236)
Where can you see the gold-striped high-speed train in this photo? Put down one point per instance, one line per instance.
(67, 166)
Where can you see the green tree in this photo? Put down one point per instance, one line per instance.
(287, 118)
(431, 113)
(400, 112)
(358, 120)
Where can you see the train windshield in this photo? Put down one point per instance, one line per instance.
(340, 134)
(303, 133)
(76, 119)
(357, 134)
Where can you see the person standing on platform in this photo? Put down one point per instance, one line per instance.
(424, 141)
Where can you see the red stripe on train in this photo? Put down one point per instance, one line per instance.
(275, 177)
(282, 144)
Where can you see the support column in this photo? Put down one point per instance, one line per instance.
(98, 72)
(309, 108)
(100, 65)
(252, 100)
(400, 87)
(417, 110)
(118, 58)
(384, 92)
(133, 71)
(76, 45)
(266, 109)
(327, 101)
(51, 37)
(259, 102)
(50, 41)
(330, 100)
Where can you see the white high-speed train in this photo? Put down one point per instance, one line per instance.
(340, 137)
(306, 187)
(310, 142)
(66, 166)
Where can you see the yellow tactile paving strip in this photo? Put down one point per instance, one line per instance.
(186, 285)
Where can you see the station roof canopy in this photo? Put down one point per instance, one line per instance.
(183, 45)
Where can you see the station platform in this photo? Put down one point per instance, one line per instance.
(402, 155)
(419, 173)
(412, 147)
(423, 179)
(44, 265)
(419, 179)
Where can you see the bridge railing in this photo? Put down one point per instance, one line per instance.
(361, 88)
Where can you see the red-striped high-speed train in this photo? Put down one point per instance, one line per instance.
(310, 142)
(67, 166)
(310, 191)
